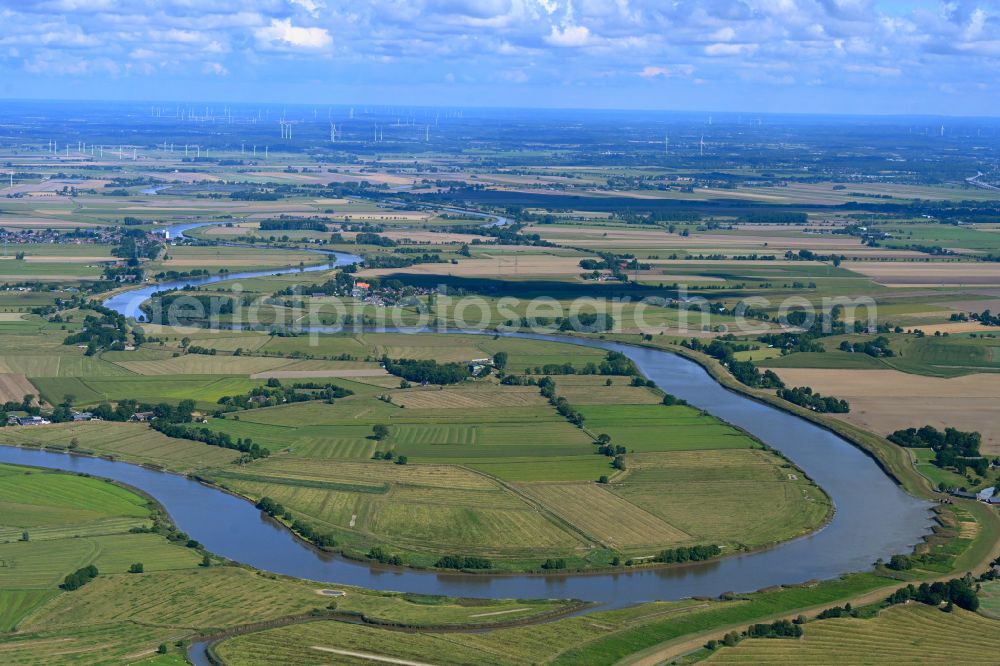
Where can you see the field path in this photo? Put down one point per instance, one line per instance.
(541, 508)
(371, 657)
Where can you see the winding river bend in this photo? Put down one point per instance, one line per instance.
(874, 517)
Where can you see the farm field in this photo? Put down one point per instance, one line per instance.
(886, 400)
(118, 616)
(203, 389)
(135, 442)
(902, 274)
(52, 524)
(491, 464)
(989, 597)
(912, 634)
(602, 637)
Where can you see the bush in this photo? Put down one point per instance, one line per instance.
(135, 568)
(79, 578)
(466, 562)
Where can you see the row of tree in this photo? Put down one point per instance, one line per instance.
(803, 396)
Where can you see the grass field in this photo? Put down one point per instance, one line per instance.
(532, 492)
(989, 599)
(135, 442)
(203, 389)
(120, 617)
(70, 522)
(603, 637)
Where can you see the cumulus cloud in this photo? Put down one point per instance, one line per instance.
(650, 71)
(569, 36)
(281, 32)
(720, 49)
(574, 43)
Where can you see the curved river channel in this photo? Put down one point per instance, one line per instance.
(874, 517)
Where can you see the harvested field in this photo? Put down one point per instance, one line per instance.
(595, 237)
(432, 237)
(200, 364)
(445, 476)
(929, 274)
(887, 400)
(306, 374)
(13, 387)
(910, 634)
(485, 398)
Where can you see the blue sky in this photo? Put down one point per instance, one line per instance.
(814, 56)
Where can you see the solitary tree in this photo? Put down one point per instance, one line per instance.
(380, 431)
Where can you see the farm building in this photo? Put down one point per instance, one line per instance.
(27, 420)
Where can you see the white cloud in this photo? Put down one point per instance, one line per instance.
(569, 36)
(878, 70)
(650, 71)
(730, 49)
(281, 32)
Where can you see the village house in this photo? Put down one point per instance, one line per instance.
(27, 420)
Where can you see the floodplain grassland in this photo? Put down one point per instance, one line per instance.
(134, 442)
(493, 470)
(507, 441)
(234, 259)
(73, 521)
